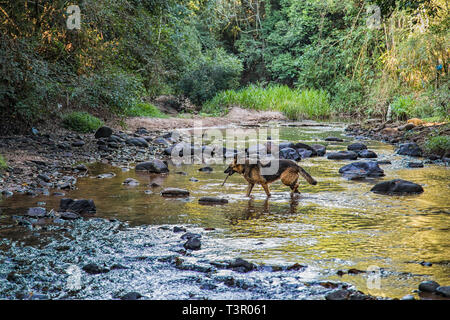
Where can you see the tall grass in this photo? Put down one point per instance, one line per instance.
(294, 103)
(3, 164)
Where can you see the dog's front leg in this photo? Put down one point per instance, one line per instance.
(266, 189)
(250, 188)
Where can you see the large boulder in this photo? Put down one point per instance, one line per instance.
(137, 141)
(298, 146)
(103, 132)
(175, 192)
(289, 154)
(361, 169)
(409, 149)
(342, 155)
(358, 146)
(81, 206)
(367, 154)
(397, 186)
(320, 149)
(154, 166)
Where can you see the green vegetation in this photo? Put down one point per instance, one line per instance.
(294, 103)
(438, 145)
(3, 164)
(130, 51)
(81, 121)
(145, 110)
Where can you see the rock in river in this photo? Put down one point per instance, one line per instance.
(428, 286)
(154, 166)
(361, 169)
(212, 200)
(290, 154)
(409, 149)
(443, 291)
(342, 155)
(193, 244)
(358, 146)
(81, 206)
(175, 192)
(367, 154)
(397, 186)
(36, 212)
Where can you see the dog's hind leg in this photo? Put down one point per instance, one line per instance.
(250, 188)
(266, 189)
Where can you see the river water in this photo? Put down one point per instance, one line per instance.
(335, 225)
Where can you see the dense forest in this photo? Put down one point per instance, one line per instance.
(312, 58)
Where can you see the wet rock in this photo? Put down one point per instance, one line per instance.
(81, 167)
(131, 296)
(367, 154)
(108, 175)
(299, 145)
(408, 297)
(414, 164)
(206, 169)
(397, 186)
(103, 132)
(193, 179)
(320, 149)
(342, 155)
(362, 169)
(69, 216)
(284, 145)
(443, 291)
(290, 154)
(190, 235)
(161, 141)
(409, 149)
(355, 271)
(175, 192)
(78, 143)
(428, 286)
(93, 268)
(36, 212)
(339, 294)
(179, 229)
(304, 153)
(241, 265)
(384, 162)
(358, 146)
(296, 266)
(131, 182)
(425, 264)
(406, 127)
(335, 139)
(81, 206)
(154, 166)
(212, 200)
(44, 177)
(193, 244)
(137, 141)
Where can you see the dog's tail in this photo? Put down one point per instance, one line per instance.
(306, 175)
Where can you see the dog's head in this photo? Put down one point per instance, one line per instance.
(235, 167)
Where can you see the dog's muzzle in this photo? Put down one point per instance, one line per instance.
(229, 170)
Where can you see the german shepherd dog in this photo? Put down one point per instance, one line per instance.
(288, 172)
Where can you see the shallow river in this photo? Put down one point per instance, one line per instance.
(335, 225)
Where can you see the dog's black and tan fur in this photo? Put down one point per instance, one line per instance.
(288, 171)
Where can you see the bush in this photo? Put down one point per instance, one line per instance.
(81, 122)
(438, 145)
(294, 103)
(144, 110)
(218, 71)
(403, 107)
(3, 164)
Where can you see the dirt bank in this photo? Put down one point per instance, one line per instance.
(235, 116)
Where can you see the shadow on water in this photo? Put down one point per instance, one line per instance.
(336, 225)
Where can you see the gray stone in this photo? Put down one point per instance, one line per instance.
(397, 186)
(428, 286)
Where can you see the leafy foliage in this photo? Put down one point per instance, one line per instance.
(81, 121)
(438, 145)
